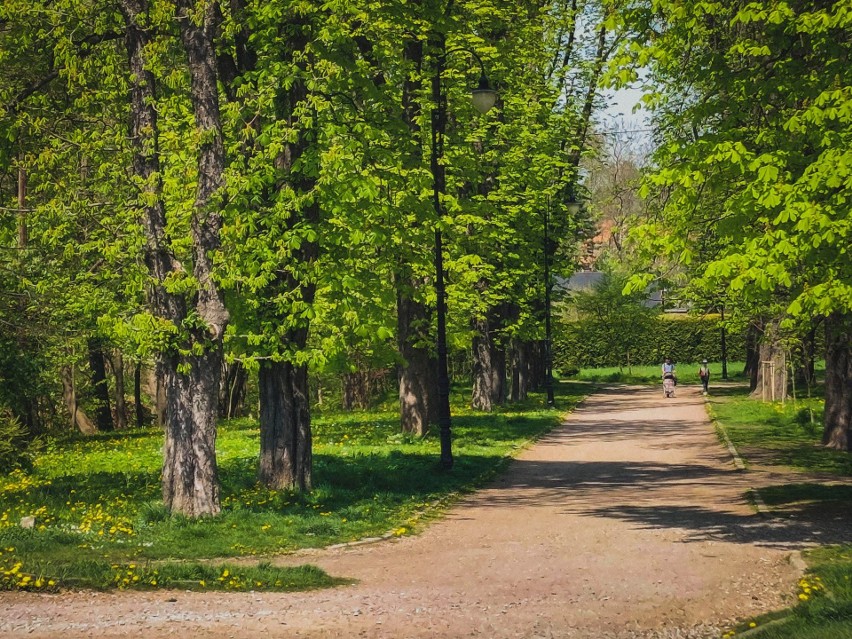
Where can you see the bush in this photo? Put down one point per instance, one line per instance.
(15, 442)
(588, 343)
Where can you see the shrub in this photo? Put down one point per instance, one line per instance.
(16, 444)
(588, 343)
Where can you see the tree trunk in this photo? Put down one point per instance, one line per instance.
(190, 476)
(804, 368)
(286, 458)
(498, 374)
(489, 364)
(100, 388)
(137, 395)
(516, 363)
(837, 432)
(285, 444)
(752, 363)
(190, 482)
(521, 384)
(117, 365)
(771, 383)
(79, 419)
(536, 364)
(232, 390)
(358, 387)
(161, 401)
(417, 373)
(482, 396)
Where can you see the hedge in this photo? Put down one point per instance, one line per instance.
(684, 338)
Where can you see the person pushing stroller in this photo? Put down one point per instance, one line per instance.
(669, 378)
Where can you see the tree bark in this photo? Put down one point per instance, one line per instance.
(286, 458)
(417, 372)
(100, 388)
(137, 395)
(160, 400)
(190, 482)
(117, 365)
(498, 373)
(285, 437)
(752, 363)
(771, 382)
(521, 375)
(805, 372)
(489, 364)
(79, 419)
(837, 432)
(482, 396)
(232, 390)
(190, 476)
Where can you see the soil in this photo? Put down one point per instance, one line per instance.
(628, 521)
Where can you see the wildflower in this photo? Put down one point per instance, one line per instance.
(752, 625)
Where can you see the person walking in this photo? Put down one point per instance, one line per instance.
(704, 376)
(669, 378)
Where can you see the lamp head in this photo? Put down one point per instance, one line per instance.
(484, 97)
(573, 205)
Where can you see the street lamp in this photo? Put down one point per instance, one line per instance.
(484, 97)
(573, 208)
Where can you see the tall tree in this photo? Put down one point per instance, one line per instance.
(754, 111)
(191, 366)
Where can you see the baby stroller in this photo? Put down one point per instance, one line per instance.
(669, 385)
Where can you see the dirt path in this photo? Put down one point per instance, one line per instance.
(628, 521)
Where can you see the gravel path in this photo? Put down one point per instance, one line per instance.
(628, 521)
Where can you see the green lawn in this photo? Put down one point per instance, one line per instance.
(650, 374)
(98, 511)
(789, 436)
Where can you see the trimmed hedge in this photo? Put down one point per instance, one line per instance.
(684, 338)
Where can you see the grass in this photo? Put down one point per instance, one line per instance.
(824, 610)
(97, 509)
(784, 435)
(789, 436)
(650, 374)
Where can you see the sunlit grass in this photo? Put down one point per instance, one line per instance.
(779, 434)
(789, 436)
(824, 596)
(96, 501)
(651, 374)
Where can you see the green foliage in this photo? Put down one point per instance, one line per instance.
(16, 443)
(590, 342)
(753, 102)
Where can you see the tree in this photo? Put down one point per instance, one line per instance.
(193, 313)
(753, 111)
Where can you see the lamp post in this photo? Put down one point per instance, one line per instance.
(483, 98)
(573, 207)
